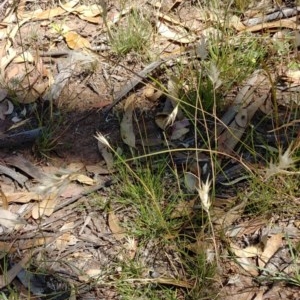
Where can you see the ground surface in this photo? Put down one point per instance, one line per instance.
(79, 234)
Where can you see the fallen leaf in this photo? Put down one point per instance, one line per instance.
(92, 273)
(271, 247)
(247, 265)
(250, 251)
(236, 23)
(6, 248)
(69, 6)
(178, 133)
(82, 179)
(106, 154)
(76, 41)
(45, 207)
(9, 219)
(161, 120)
(22, 197)
(91, 10)
(67, 226)
(177, 34)
(126, 126)
(65, 240)
(24, 57)
(72, 190)
(40, 14)
(115, 228)
(191, 181)
(97, 170)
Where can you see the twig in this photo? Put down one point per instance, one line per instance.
(280, 14)
(132, 83)
(21, 179)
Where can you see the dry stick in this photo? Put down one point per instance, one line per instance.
(20, 138)
(7, 278)
(18, 177)
(280, 14)
(132, 83)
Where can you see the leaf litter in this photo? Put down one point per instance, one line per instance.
(42, 194)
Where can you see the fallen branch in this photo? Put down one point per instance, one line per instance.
(278, 15)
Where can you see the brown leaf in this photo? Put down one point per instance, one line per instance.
(250, 251)
(126, 126)
(115, 228)
(65, 240)
(177, 34)
(271, 247)
(106, 154)
(22, 197)
(89, 11)
(9, 219)
(82, 179)
(44, 14)
(97, 169)
(247, 265)
(45, 207)
(76, 41)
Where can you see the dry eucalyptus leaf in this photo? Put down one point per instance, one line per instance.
(107, 155)
(89, 11)
(76, 41)
(69, 6)
(82, 179)
(177, 34)
(72, 190)
(65, 240)
(45, 207)
(97, 169)
(40, 14)
(126, 126)
(115, 228)
(9, 219)
(247, 265)
(178, 133)
(236, 23)
(250, 251)
(161, 120)
(22, 197)
(271, 247)
(191, 181)
(179, 129)
(24, 57)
